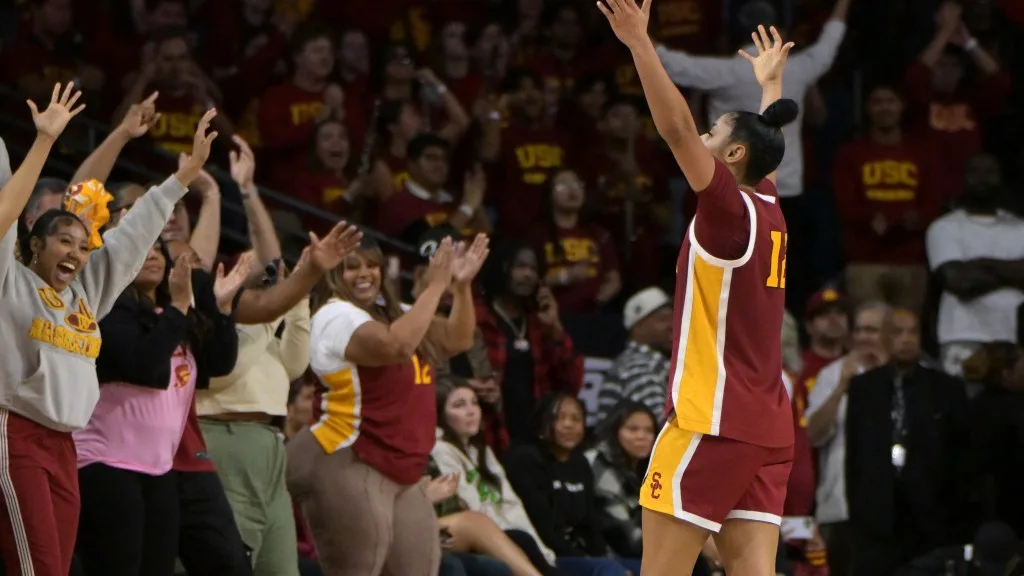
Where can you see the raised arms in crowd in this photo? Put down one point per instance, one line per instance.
(261, 306)
(261, 227)
(378, 344)
(110, 269)
(50, 123)
(671, 113)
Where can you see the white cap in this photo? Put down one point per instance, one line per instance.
(641, 304)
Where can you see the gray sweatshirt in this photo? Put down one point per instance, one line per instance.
(48, 367)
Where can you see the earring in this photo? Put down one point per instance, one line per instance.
(35, 259)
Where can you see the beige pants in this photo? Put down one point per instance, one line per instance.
(898, 285)
(363, 523)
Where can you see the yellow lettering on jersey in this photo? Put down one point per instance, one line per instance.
(423, 376)
(951, 118)
(44, 331)
(50, 297)
(305, 112)
(777, 276)
(889, 173)
(537, 160)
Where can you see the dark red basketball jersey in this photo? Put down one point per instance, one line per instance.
(726, 375)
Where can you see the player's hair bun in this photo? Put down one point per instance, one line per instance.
(781, 112)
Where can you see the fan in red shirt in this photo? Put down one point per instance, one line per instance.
(324, 181)
(582, 114)
(422, 196)
(562, 58)
(353, 72)
(580, 257)
(289, 111)
(942, 104)
(529, 151)
(185, 92)
(373, 359)
(251, 41)
(630, 191)
(455, 66)
(47, 50)
(888, 188)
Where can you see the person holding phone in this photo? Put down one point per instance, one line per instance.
(529, 349)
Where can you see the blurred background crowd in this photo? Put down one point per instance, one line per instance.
(524, 119)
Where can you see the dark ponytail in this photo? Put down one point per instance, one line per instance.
(762, 133)
(781, 112)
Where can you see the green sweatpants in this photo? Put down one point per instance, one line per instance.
(250, 460)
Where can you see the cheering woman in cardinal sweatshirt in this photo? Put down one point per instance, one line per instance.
(50, 309)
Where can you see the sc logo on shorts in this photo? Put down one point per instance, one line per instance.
(655, 485)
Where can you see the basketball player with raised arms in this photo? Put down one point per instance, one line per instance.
(721, 462)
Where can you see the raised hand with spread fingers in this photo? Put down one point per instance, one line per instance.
(52, 121)
(772, 54)
(469, 260)
(326, 253)
(628, 21)
(225, 287)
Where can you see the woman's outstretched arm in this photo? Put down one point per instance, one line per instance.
(50, 123)
(110, 269)
(671, 113)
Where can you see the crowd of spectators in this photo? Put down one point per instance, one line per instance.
(524, 120)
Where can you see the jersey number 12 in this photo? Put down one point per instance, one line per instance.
(777, 277)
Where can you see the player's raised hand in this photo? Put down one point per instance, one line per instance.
(52, 121)
(628, 21)
(772, 54)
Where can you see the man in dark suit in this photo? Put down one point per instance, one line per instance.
(907, 471)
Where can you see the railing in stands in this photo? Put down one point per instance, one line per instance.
(92, 132)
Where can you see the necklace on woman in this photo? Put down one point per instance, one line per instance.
(520, 343)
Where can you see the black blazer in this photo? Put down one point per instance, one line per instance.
(138, 342)
(937, 471)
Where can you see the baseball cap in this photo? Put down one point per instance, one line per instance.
(642, 304)
(431, 238)
(824, 299)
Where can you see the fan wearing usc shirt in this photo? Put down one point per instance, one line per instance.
(360, 463)
(721, 463)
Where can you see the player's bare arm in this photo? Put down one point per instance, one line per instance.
(768, 64)
(671, 113)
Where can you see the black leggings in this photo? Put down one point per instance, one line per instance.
(532, 550)
(210, 544)
(129, 522)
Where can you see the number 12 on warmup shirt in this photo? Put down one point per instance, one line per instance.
(777, 278)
